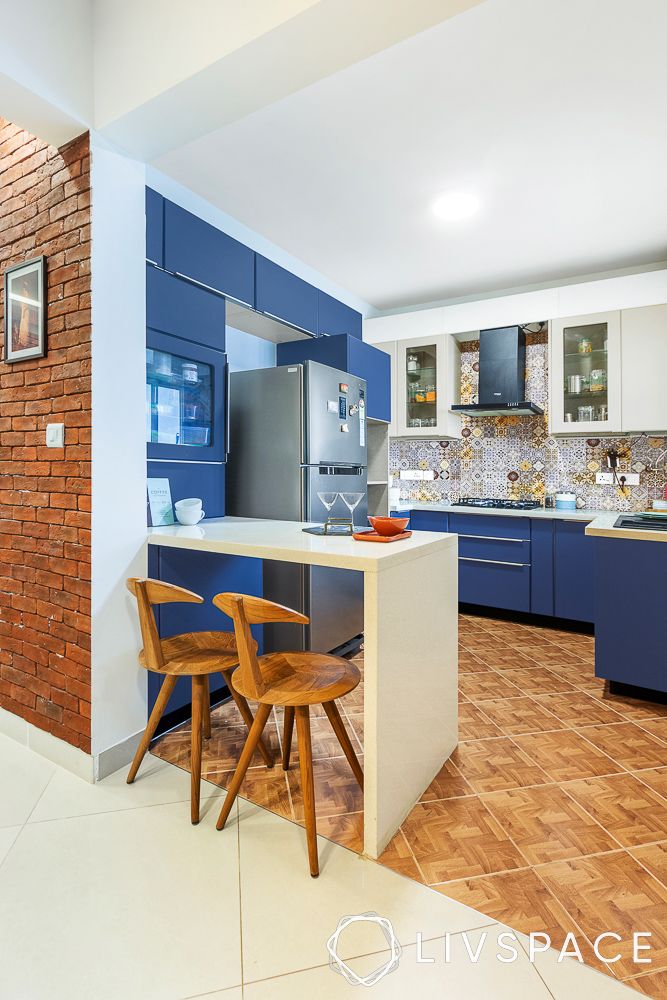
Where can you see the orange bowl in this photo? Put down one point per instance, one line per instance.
(389, 525)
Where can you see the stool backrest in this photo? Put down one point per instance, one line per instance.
(244, 612)
(148, 593)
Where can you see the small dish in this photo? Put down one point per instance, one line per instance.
(389, 526)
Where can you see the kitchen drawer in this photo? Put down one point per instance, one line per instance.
(489, 525)
(497, 549)
(494, 585)
(428, 520)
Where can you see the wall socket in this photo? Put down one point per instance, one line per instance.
(607, 478)
(417, 474)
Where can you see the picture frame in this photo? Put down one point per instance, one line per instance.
(25, 310)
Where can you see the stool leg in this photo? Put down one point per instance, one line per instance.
(155, 716)
(246, 715)
(206, 709)
(307, 785)
(249, 748)
(287, 736)
(195, 757)
(339, 729)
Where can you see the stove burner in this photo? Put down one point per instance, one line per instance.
(497, 504)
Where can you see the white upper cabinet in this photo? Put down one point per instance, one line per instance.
(585, 374)
(644, 368)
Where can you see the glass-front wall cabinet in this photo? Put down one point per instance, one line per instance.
(179, 400)
(585, 369)
(425, 376)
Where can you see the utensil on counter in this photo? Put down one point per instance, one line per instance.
(566, 501)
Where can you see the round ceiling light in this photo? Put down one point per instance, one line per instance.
(456, 205)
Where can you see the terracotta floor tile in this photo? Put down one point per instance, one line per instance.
(474, 724)
(398, 856)
(613, 893)
(483, 645)
(532, 640)
(655, 779)
(492, 765)
(264, 787)
(346, 830)
(458, 838)
(538, 680)
(554, 654)
(652, 985)
(629, 810)
(448, 783)
(336, 789)
(626, 743)
(656, 727)
(546, 825)
(489, 685)
(521, 715)
(578, 708)
(324, 740)
(505, 659)
(470, 664)
(593, 685)
(565, 755)
(577, 674)
(635, 709)
(653, 857)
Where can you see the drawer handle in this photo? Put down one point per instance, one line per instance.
(493, 562)
(493, 538)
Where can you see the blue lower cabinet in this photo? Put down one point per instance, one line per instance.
(283, 295)
(542, 566)
(574, 576)
(349, 355)
(489, 525)
(176, 307)
(427, 520)
(334, 317)
(207, 574)
(494, 584)
(630, 611)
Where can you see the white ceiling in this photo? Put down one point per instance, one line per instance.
(552, 113)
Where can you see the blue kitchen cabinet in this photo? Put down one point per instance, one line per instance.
(154, 227)
(574, 577)
(629, 612)
(427, 520)
(494, 560)
(284, 296)
(205, 480)
(176, 307)
(198, 251)
(349, 355)
(334, 317)
(542, 566)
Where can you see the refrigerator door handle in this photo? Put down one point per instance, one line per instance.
(227, 410)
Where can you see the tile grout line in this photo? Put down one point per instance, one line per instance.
(27, 819)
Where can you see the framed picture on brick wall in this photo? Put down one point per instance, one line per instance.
(25, 309)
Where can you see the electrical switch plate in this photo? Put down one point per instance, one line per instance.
(607, 478)
(55, 435)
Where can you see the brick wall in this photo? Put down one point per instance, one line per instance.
(45, 492)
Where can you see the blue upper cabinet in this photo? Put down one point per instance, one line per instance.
(154, 227)
(574, 576)
(284, 296)
(335, 317)
(352, 356)
(176, 307)
(203, 253)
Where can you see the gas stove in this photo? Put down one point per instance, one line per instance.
(497, 504)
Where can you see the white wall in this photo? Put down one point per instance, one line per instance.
(245, 352)
(619, 292)
(118, 446)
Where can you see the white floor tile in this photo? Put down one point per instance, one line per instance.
(135, 904)
(156, 784)
(8, 835)
(570, 980)
(288, 916)
(23, 777)
(461, 979)
(235, 993)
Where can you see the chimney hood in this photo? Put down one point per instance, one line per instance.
(502, 376)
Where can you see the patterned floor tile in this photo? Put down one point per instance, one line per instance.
(448, 783)
(629, 810)
(635, 709)
(613, 892)
(656, 727)
(398, 856)
(655, 779)
(654, 858)
(565, 755)
(505, 659)
(484, 686)
(578, 708)
(556, 655)
(521, 715)
(538, 680)
(627, 744)
(264, 787)
(346, 830)
(546, 825)
(324, 740)
(458, 838)
(533, 640)
(493, 765)
(336, 788)
(470, 664)
(652, 985)
(474, 724)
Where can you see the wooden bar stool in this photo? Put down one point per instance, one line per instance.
(295, 681)
(190, 654)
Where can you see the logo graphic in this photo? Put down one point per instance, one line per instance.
(337, 964)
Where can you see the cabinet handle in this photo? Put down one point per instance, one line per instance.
(493, 562)
(493, 538)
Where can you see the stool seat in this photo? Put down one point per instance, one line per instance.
(195, 653)
(296, 678)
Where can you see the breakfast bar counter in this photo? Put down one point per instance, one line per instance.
(410, 646)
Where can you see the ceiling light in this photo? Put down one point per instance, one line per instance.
(456, 205)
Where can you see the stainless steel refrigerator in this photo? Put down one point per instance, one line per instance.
(296, 431)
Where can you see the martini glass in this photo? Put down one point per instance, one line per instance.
(351, 501)
(328, 500)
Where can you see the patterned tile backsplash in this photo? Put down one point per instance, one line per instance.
(514, 458)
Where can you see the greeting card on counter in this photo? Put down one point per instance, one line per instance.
(159, 502)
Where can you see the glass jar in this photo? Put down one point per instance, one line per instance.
(598, 380)
(585, 346)
(413, 363)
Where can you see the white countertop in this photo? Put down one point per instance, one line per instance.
(603, 527)
(286, 541)
(539, 512)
